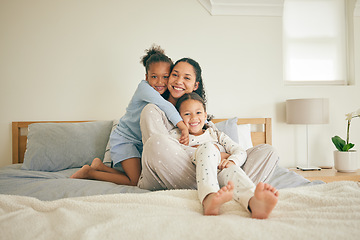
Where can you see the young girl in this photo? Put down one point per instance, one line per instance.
(125, 141)
(212, 166)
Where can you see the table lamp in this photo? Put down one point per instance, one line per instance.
(307, 111)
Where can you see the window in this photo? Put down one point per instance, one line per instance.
(316, 41)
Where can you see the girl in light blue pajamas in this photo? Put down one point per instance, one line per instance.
(125, 140)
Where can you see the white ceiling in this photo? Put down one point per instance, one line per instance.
(244, 7)
(251, 7)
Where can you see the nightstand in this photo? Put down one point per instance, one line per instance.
(328, 175)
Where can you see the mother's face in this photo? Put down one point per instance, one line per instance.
(182, 80)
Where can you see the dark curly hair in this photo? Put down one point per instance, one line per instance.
(153, 55)
(201, 89)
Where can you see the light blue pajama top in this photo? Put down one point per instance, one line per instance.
(129, 124)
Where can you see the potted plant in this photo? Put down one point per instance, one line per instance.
(345, 159)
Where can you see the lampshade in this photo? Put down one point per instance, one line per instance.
(307, 111)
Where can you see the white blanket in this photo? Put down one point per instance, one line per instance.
(327, 211)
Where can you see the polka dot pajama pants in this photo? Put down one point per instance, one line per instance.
(207, 158)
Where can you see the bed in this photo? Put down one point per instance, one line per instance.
(38, 200)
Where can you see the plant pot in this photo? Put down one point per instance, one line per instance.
(346, 161)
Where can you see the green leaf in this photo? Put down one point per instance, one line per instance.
(348, 146)
(339, 143)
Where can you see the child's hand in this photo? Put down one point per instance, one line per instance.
(225, 163)
(184, 139)
(223, 155)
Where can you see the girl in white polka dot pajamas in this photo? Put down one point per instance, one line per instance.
(218, 160)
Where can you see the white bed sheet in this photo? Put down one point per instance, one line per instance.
(325, 211)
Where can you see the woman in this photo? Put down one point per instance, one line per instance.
(166, 164)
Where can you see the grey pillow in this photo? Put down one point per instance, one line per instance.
(58, 146)
(229, 127)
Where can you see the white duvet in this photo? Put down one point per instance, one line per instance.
(326, 211)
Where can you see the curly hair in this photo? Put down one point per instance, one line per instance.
(153, 55)
(201, 89)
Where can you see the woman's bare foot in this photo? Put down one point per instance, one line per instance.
(97, 164)
(263, 201)
(82, 172)
(213, 201)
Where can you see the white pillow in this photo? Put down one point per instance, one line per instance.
(244, 136)
(239, 133)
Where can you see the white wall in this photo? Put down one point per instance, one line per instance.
(79, 60)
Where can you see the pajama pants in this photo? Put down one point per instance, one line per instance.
(207, 158)
(166, 164)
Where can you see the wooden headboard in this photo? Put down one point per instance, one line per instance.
(261, 131)
(261, 134)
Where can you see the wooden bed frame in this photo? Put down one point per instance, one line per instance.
(19, 137)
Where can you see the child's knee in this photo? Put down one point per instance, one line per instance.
(208, 146)
(206, 149)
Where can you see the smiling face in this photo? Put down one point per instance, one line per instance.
(182, 80)
(158, 76)
(193, 115)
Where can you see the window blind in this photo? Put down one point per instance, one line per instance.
(315, 42)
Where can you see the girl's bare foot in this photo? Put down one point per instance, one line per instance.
(263, 201)
(96, 164)
(82, 172)
(213, 201)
